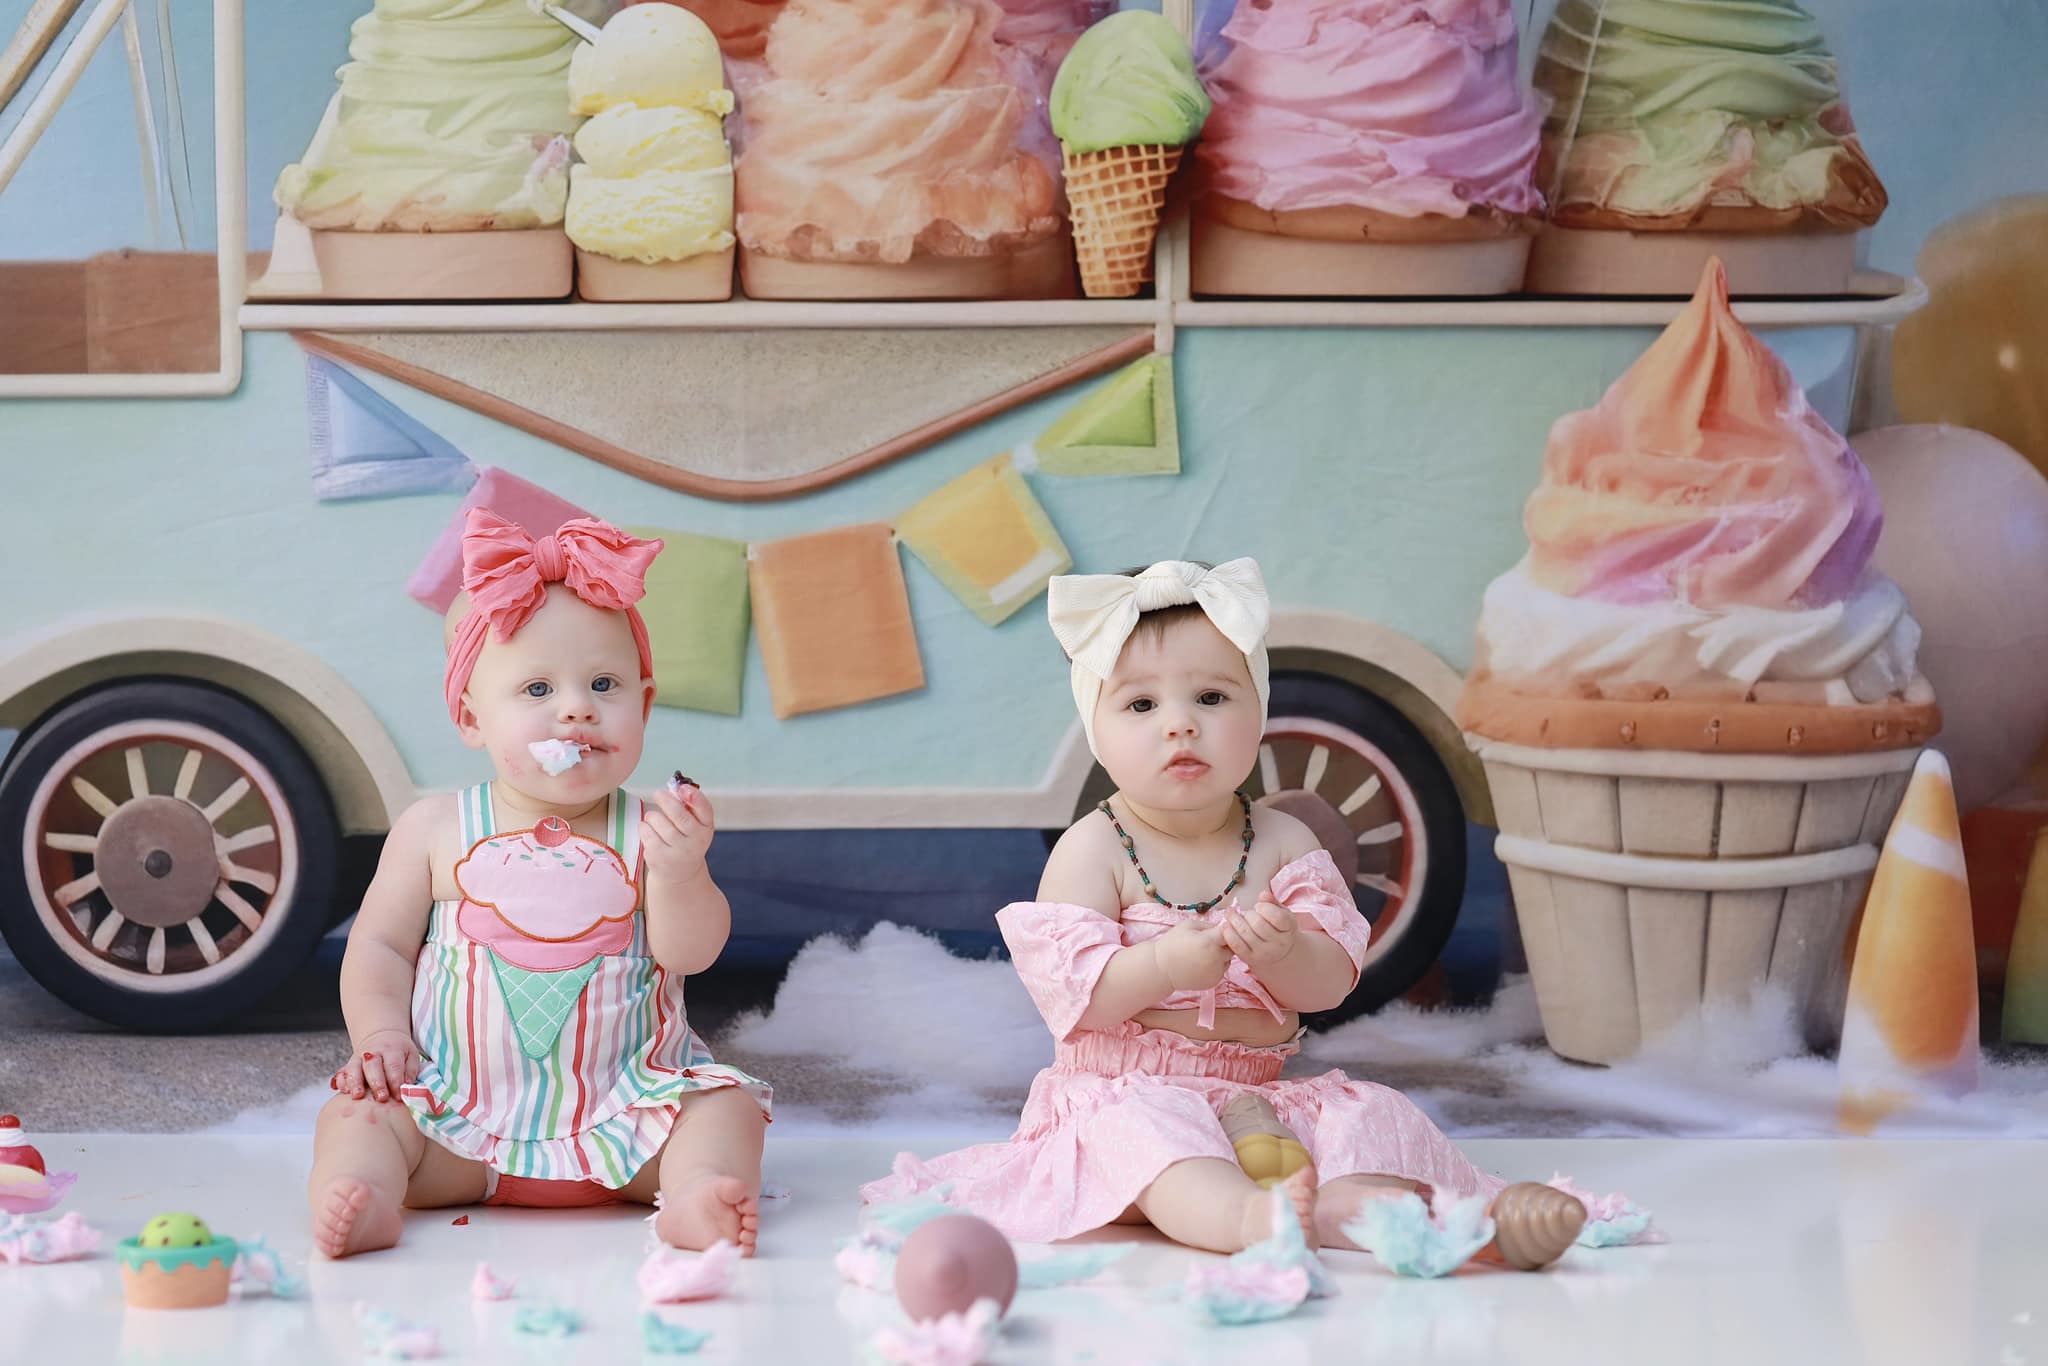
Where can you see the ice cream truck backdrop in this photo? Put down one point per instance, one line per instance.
(223, 663)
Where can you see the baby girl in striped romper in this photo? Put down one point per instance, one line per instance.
(513, 983)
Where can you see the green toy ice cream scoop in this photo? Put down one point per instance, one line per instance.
(175, 1230)
(1129, 82)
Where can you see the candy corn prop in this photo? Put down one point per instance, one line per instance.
(1911, 1024)
(2026, 969)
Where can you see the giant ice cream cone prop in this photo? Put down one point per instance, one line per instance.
(1911, 1026)
(1125, 105)
(1696, 701)
(2026, 968)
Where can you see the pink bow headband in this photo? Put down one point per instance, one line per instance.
(506, 574)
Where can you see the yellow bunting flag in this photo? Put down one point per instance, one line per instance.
(833, 618)
(987, 538)
(1125, 425)
(1911, 1025)
(696, 613)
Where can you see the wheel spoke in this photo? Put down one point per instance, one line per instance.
(1364, 793)
(73, 892)
(244, 912)
(1381, 834)
(208, 950)
(247, 839)
(108, 928)
(1269, 769)
(1381, 884)
(220, 805)
(72, 844)
(248, 877)
(188, 773)
(138, 777)
(1318, 764)
(154, 959)
(94, 798)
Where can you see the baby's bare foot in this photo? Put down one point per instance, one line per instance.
(349, 1216)
(1300, 1190)
(708, 1207)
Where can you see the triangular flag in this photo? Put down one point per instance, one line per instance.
(1125, 425)
(2025, 1018)
(986, 537)
(1911, 1024)
(439, 577)
(366, 446)
(696, 611)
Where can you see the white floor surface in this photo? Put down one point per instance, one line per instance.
(1918, 1253)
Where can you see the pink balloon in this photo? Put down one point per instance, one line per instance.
(1966, 538)
(952, 1261)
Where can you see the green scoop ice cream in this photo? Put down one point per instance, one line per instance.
(1129, 82)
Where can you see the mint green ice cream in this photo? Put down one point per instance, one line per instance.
(1129, 82)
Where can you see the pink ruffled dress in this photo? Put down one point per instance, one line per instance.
(1118, 1106)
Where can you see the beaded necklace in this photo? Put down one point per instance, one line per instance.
(1197, 907)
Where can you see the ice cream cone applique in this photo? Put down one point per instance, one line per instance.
(546, 903)
(1911, 1024)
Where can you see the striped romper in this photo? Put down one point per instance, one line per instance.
(556, 1048)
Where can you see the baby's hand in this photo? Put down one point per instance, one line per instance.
(1263, 935)
(1192, 955)
(675, 834)
(384, 1060)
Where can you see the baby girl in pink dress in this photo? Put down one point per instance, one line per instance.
(1178, 932)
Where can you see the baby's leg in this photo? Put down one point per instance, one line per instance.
(1209, 1203)
(369, 1159)
(710, 1172)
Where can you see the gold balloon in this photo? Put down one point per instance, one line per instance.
(1977, 354)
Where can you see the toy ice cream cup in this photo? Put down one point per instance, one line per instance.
(441, 167)
(1678, 131)
(650, 208)
(1696, 702)
(176, 1262)
(1373, 148)
(883, 158)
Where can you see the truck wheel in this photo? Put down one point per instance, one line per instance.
(175, 857)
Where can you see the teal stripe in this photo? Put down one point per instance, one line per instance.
(606, 1150)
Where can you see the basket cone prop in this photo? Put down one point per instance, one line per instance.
(1910, 1030)
(1117, 197)
(2025, 1018)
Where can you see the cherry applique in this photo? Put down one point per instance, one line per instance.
(551, 833)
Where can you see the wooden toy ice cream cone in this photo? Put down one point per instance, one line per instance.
(1911, 1024)
(2025, 1018)
(1267, 1149)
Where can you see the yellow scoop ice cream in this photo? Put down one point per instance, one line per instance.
(656, 180)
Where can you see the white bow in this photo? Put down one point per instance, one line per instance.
(1093, 615)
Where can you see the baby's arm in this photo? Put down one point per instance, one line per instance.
(688, 917)
(1189, 957)
(1301, 965)
(383, 952)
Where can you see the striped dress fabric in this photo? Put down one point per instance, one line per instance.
(596, 1106)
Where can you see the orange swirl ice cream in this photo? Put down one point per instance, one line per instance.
(888, 129)
(741, 25)
(1701, 533)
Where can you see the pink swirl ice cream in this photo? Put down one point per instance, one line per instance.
(889, 128)
(546, 908)
(1700, 530)
(1406, 107)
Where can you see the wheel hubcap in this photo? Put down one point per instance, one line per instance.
(156, 861)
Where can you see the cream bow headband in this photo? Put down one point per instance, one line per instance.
(1094, 614)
